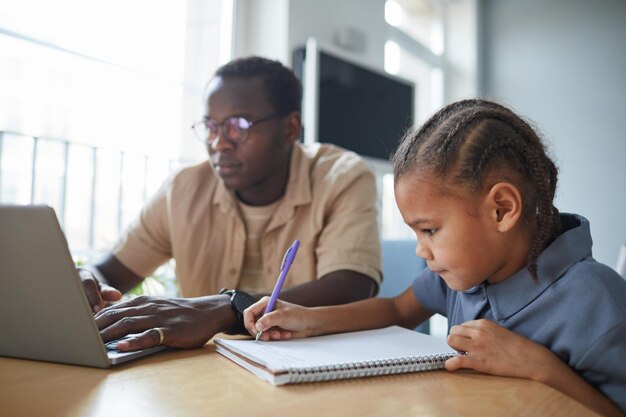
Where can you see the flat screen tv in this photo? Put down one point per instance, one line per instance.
(351, 105)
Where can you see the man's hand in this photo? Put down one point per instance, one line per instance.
(184, 322)
(98, 294)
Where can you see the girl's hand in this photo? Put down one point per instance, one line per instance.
(285, 322)
(494, 350)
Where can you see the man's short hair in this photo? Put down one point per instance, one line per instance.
(283, 88)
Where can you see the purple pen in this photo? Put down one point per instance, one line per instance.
(290, 255)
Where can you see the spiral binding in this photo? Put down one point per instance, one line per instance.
(368, 368)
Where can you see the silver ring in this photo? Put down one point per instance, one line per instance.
(161, 335)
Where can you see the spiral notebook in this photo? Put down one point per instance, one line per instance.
(392, 350)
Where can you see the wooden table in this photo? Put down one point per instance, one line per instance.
(201, 382)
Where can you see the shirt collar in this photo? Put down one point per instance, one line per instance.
(298, 190)
(223, 197)
(513, 294)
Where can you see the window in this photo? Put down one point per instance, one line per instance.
(97, 102)
(415, 50)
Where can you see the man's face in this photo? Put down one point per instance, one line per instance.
(259, 164)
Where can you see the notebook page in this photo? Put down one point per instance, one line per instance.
(370, 345)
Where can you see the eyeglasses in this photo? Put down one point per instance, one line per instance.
(234, 128)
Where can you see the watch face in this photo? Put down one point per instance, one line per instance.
(241, 301)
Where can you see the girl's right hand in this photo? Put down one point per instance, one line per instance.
(286, 321)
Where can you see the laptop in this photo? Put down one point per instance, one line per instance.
(44, 313)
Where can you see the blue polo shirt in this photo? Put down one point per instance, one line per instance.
(577, 309)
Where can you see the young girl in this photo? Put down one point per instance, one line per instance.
(523, 296)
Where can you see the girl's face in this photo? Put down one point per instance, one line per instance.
(457, 236)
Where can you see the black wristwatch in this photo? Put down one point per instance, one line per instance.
(239, 301)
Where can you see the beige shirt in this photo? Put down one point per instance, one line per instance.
(329, 205)
(256, 220)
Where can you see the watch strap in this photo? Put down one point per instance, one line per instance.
(239, 301)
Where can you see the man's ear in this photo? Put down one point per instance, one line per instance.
(505, 204)
(293, 125)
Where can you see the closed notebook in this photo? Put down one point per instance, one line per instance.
(392, 350)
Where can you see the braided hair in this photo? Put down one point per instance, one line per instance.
(470, 139)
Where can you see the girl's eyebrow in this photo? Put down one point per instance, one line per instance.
(417, 222)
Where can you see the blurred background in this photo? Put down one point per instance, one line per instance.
(97, 98)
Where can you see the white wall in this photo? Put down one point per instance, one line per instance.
(261, 28)
(461, 63)
(274, 28)
(327, 19)
(203, 27)
(562, 63)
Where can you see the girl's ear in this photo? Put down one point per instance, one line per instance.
(505, 204)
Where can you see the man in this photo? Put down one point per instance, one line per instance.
(228, 221)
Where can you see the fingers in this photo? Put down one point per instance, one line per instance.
(185, 323)
(475, 340)
(276, 334)
(109, 294)
(461, 339)
(98, 294)
(133, 316)
(458, 362)
(466, 336)
(252, 313)
(91, 288)
(127, 325)
(138, 306)
(287, 322)
(274, 325)
(276, 318)
(149, 338)
(468, 329)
